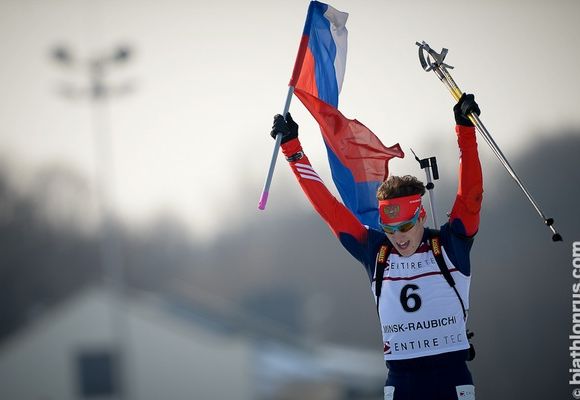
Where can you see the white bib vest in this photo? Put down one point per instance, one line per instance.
(420, 313)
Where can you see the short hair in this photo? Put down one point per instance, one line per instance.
(400, 186)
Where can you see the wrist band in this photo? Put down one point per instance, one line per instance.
(295, 157)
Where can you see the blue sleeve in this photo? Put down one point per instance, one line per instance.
(365, 252)
(457, 245)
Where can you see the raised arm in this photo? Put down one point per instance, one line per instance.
(464, 216)
(339, 218)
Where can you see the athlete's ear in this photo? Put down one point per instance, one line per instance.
(422, 214)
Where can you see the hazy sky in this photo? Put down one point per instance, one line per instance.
(191, 138)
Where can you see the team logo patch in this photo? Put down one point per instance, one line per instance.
(392, 210)
(387, 348)
(465, 392)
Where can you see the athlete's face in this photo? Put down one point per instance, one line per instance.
(408, 242)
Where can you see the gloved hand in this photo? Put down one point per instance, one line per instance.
(288, 128)
(464, 107)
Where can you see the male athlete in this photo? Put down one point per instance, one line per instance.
(422, 290)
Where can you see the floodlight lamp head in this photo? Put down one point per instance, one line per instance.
(122, 54)
(62, 55)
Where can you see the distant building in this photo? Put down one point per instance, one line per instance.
(172, 353)
(69, 355)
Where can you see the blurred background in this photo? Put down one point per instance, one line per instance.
(134, 143)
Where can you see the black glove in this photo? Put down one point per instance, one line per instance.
(288, 128)
(465, 106)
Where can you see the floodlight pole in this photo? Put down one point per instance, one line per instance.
(98, 94)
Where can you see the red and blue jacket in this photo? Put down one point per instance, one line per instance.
(363, 242)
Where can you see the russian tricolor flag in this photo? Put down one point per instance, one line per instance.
(358, 159)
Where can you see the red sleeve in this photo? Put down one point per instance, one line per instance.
(339, 218)
(470, 189)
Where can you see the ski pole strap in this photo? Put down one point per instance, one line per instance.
(380, 265)
(438, 253)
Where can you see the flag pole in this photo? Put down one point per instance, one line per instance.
(295, 75)
(434, 62)
(266, 190)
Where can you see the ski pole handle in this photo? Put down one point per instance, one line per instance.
(266, 190)
(434, 62)
(474, 118)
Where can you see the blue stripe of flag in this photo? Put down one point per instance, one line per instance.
(322, 46)
(359, 197)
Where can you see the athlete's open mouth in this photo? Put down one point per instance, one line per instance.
(403, 245)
